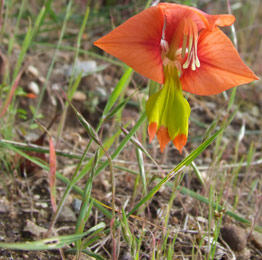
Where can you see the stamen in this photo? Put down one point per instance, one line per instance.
(197, 62)
(187, 34)
(193, 65)
(195, 58)
(185, 37)
(164, 46)
(184, 46)
(189, 57)
(192, 58)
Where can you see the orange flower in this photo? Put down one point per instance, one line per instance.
(182, 48)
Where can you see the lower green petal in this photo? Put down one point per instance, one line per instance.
(168, 108)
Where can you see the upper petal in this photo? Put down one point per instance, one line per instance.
(221, 67)
(137, 43)
(220, 20)
(175, 13)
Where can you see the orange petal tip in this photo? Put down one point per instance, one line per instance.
(179, 142)
(163, 137)
(31, 95)
(152, 128)
(224, 19)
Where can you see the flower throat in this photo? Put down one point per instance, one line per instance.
(182, 50)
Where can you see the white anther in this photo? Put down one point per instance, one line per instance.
(164, 46)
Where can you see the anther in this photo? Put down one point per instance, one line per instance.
(164, 46)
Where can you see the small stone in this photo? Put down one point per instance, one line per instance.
(84, 67)
(79, 96)
(33, 70)
(126, 256)
(76, 205)
(43, 205)
(36, 197)
(245, 254)
(34, 229)
(234, 236)
(256, 239)
(202, 219)
(4, 205)
(67, 215)
(31, 137)
(101, 92)
(34, 88)
(255, 111)
(41, 79)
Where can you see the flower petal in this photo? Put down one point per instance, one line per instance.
(137, 43)
(221, 67)
(180, 141)
(163, 137)
(220, 20)
(175, 13)
(152, 128)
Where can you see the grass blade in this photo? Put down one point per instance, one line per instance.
(27, 41)
(140, 160)
(45, 244)
(123, 143)
(10, 94)
(52, 173)
(123, 82)
(53, 242)
(43, 89)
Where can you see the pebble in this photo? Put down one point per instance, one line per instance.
(34, 229)
(126, 256)
(33, 70)
(84, 67)
(256, 239)
(43, 205)
(76, 205)
(245, 254)
(33, 87)
(67, 215)
(234, 236)
(4, 205)
(36, 197)
(101, 92)
(79, 96)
